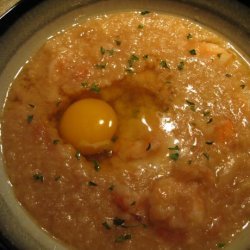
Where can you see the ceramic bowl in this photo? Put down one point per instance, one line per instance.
(28, 33)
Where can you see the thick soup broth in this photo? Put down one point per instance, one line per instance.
(172, 168)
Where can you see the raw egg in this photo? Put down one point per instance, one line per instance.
(89, 125)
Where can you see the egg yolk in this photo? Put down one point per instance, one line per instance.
(89, 125)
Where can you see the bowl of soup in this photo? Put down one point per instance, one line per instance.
(126, 125)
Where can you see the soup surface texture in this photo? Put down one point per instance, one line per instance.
(173, 170)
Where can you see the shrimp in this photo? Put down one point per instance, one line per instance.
(208, 49)
(224, 131)
(174, 205)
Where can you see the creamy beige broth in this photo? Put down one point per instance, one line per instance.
(177, 175)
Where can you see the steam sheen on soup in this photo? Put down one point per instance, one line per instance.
(131, 131)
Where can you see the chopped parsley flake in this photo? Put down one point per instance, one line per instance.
(192, 52)
(209, 142)
(91, 183)
(148, 147)
(78, 155)
(101, 65)
(191, 105)
(31, 105)
(123, 238)
(118, 42)
(118, 222)
(102, 50)
(206, 156)
(96, 165)
(111, 187)
(57, 178)
(38, 177)
(174, 156)
(145, 12)
(114, 138)
(210, 120)
(132, 59)
(106, 225)
(164, 64)
(181, 65)
(129, 70)
(84, 84)
(206, 113)
(221, 245)
(174, 148)
(145, 57)
(110, 52)
(133, 203)
(189, 36)
(95, 88)
(30, 118)
(140, 26)
(56, 141)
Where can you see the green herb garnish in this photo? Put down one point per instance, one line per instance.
(78, 155)
(118, 42)
(56, 141)
(209, 142)
(221, 245)
(189, 36)
(111, 187)
(84, 84)
(31, 105)
(133, 203)
(91, 183)
(181, 65)
(57, 178)
(102, 50)
(174, 156)
(148, 147)
(191, 105)
(132, 59)
(106, 225)
(192, 52)
(145, 12)
(174, 148)
(118, 222)
(96, 165)
(210, 120)
(140, 26)
(95, 88)
(206, 156)
(129, 70)
(206, 113)
(110, 52)
(164, 64)
(123, 238)
(145, 57)
(30, 118)
(38, 177)
(101, 65)
(114, 138)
